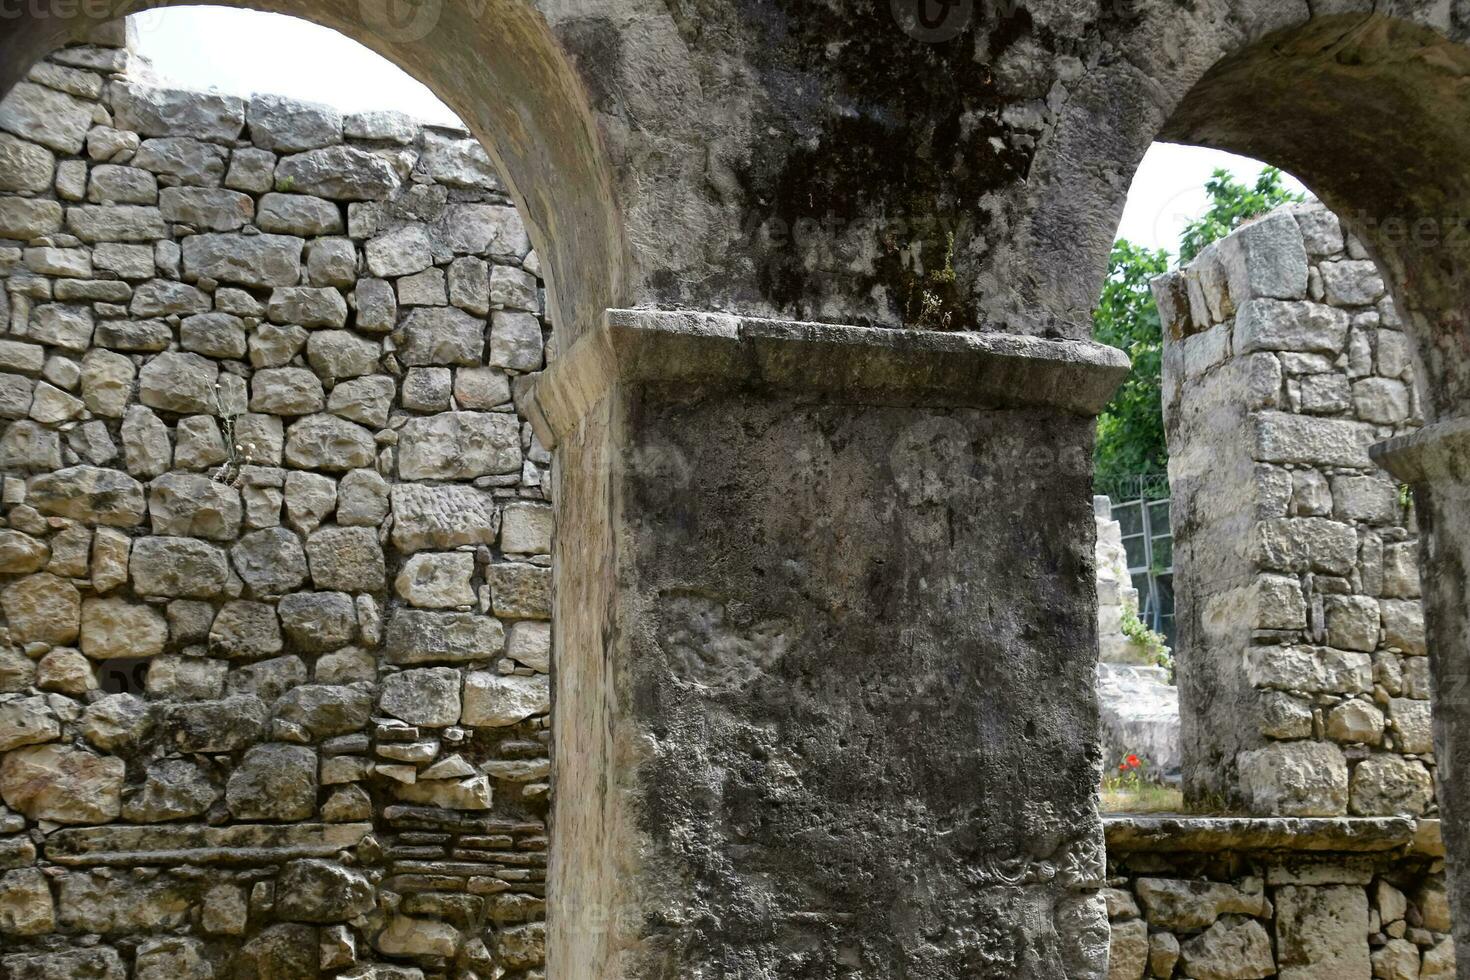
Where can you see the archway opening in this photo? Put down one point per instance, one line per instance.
(1289, 349)
(275, 579)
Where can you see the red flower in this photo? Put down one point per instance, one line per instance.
(1133, 760)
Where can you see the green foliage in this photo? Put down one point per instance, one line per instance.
(1147, 640)
(1130, 431)
(1231, 204)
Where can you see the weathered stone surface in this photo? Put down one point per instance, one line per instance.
(415, 637)
(206, 208)
(529, 644)
(459, 446)
(318, 621)
(1384, 785)
(46, 116)
(190, 505)
(520, 591)
(98, 963)
(116, 223)
(362, 498)
(183, 158)
(1295, 779)
(286, 391)
(429, 697)
(485, 229)
(526, 528)
(288, 951)
(401, 252)
(347, 559)
(377, 306)
(1229, 951)
(515, 341)
(273, 782)
(245, 630)
(1322, 932)
(21, 554)
(62, 784)
(299, 214)
(89, 493)
(309, 306)
(437, 581)
(152, 111)
(172, 789)
(26, 908)
(366, 400)
(493, 700)
(24, 166)
(1310, 669)
(42, 608)
(270, 561)
(119, 628)
(342, 173)
(28, 447)
(116, 722)
(182, 383)
(442, 335)
(442, 517)
(325, 442)
(1188, 906)
(30, 721)
(290, 126)
(172, 958)
(177, 568)
(1403, 625)
(341, 354)
(325, 711)
(69, 327)
(250, 260)
(322, 892)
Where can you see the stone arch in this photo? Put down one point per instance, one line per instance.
(1366, 108)
(176, 541)
(499, 67)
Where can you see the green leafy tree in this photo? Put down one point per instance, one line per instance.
(1130, 431)
(1231, 204)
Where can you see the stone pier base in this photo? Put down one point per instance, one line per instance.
(825, 652)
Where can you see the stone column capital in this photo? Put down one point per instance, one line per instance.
(862, 364)
(1436, 455)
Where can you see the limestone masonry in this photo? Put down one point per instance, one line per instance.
(1303, 665)
(275, 549)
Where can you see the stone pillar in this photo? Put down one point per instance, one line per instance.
(1300, 648)
(824, 624)
(1435, 461)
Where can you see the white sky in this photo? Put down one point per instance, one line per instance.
(224, 48)
(204, 47)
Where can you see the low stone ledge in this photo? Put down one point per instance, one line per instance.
(906, 367)
(1438, 453)
(1187, 834)
(241, 844)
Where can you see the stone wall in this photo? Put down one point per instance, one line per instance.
(1138, 704)
(1299, 899)
(1302, 662)
(275, 545)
